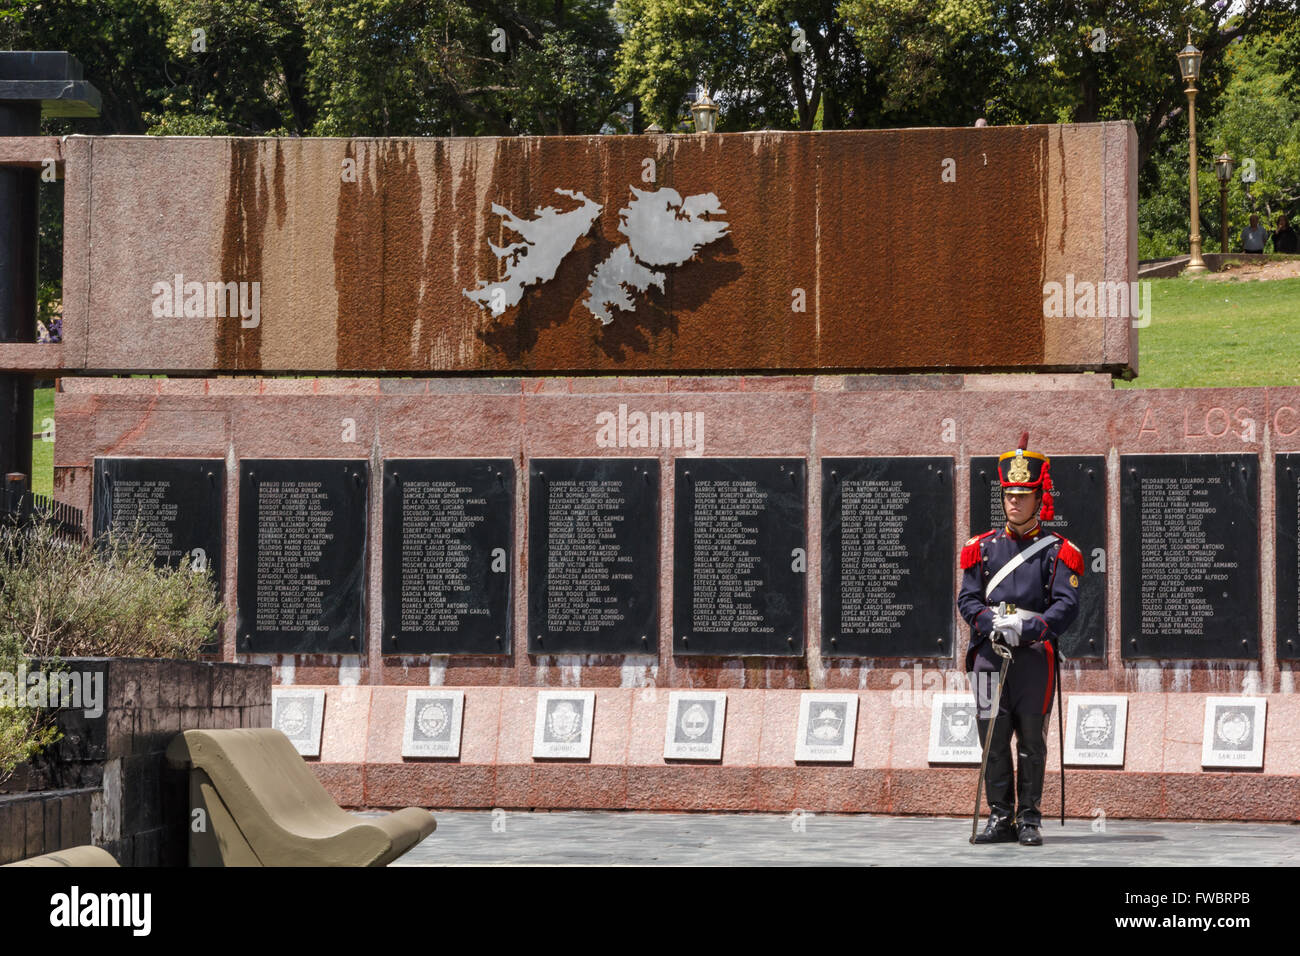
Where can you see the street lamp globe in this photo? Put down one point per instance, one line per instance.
(1223, 165)
(705, 113)
(1189, 61)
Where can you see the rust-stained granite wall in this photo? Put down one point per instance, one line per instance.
(783, 416)
(899, 266)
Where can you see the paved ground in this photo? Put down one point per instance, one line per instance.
(603, 838)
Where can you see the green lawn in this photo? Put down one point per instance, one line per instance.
(42, 451)
(1220, 333)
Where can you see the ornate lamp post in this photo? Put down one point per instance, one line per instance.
(705, 113)
(1189, 64)
(1223, 169)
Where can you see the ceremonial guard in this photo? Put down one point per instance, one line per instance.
(1019, 592)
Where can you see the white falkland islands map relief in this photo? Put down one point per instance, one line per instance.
(662, 229)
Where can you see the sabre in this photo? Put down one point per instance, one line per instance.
(1003, 652)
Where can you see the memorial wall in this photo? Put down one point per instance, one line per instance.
(807, 535)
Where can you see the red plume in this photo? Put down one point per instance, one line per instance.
(1024, 441)
(1049, 502)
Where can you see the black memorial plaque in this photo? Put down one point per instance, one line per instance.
(593, 555)
(448, 548)
(1189, 531)
(179, 504)
(1287, 512)
(1080, 483)
(887, 565)
(740, 556)
(302, 555)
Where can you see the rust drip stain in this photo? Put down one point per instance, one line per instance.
(358, 266)
(437, 313)
(1042, 166)
(1065, 209)
(281, 198)
(403, 260)
(247, 205)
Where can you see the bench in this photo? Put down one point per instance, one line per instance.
(262, 806)
(76, 856)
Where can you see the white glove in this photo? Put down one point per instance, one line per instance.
(1008, 625)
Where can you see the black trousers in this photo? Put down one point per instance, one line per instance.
(1024, 710)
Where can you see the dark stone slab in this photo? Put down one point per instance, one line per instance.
(887, 562)
(1080, 482)
(302, 556)
(1287, 518)
(1189, 533)
(740, 556)
(593, 555)
(178, 503)
(449, 546)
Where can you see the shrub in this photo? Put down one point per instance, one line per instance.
(61, 599)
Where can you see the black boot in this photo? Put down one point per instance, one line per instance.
(999, 783)
(1031, 749)
(1029, 835)
(997, 830)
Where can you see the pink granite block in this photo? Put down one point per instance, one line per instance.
(780, 728)
(481, 725)
(1282, 736)
(285, 424)
(347, 722)
(1184, 726)
(182, 386)
(743, 734)
(877, 713)
(611, 726)
(776, 383)
(648, 383)
(347, 386)
(1240, 795)
(706, 383)
(1102, 794)
(933, 791)
(910, 732)
(289, 386)
(512, 784)
(449, 426)
(235, 386)
(1144, 745)
(345, 782)
(820, 789)
(647, 722)
(690, 787)
(518, 717)
(594, 384)
(576, 786)
(387, 721)
(773, 789)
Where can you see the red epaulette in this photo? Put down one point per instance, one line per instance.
(1071, 555)
(970, 554)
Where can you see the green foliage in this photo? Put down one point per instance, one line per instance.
(59, 599)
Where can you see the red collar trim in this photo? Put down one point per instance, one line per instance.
(1031, 533)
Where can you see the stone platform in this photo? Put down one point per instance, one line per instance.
(681, 839)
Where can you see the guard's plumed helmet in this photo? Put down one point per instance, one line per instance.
(1024, 472)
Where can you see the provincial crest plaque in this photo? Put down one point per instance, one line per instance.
(695, 724)
(827, 726)
(563, 724)
(299, 715)
(954, 730)
(1095, 729)
(1233, 735)
(433, 723)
